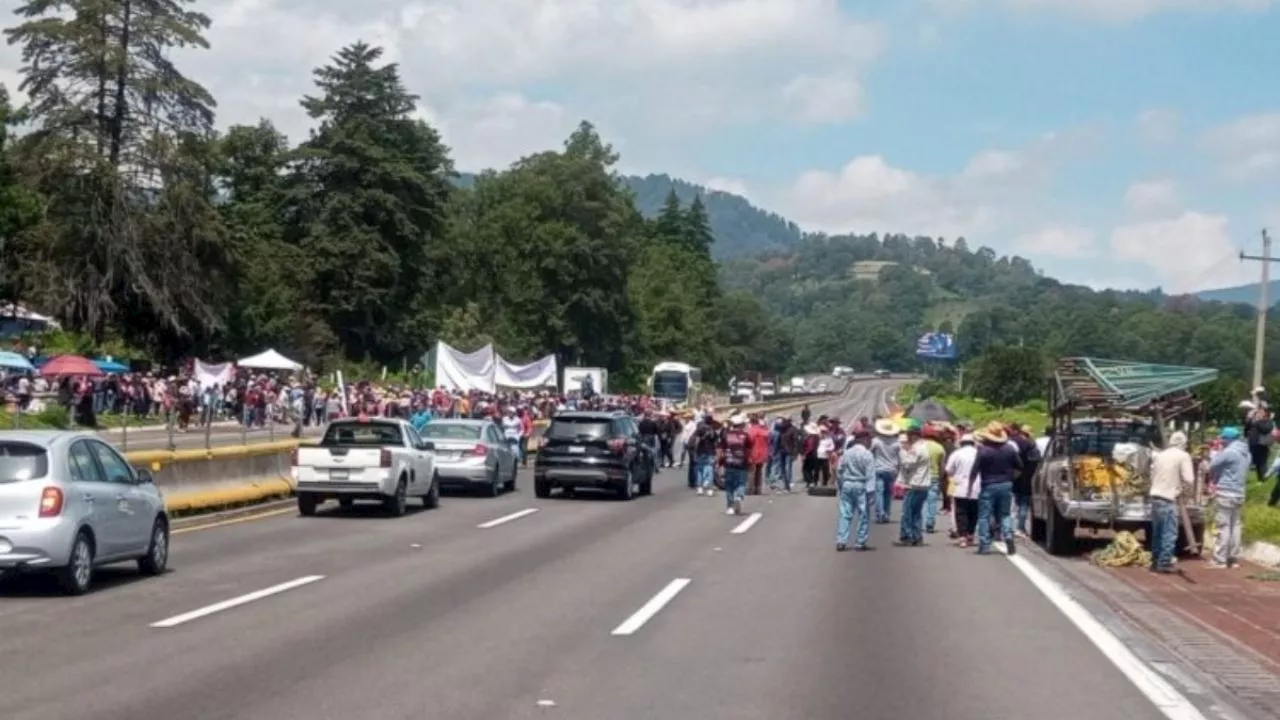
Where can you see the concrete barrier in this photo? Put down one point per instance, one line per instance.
(225, 477)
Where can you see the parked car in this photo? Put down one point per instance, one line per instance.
(364, 458)
(70, 503)
(599, 450)
(472, 453)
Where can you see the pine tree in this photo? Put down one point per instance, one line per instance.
(698, 233)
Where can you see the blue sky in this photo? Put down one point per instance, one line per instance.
(1127, 143)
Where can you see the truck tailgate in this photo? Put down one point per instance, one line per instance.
(340, 464)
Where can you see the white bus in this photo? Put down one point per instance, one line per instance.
(675, 382)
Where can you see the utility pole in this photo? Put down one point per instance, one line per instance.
(1260, 335)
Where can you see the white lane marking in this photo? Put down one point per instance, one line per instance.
(507, 518)
(747, 524)
(651, 608)
(1171, 703)
(236, 601)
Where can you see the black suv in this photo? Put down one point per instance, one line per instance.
(600, 450)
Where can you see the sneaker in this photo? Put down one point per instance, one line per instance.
(1214, 565)
(737, 507)
(711, 492)
(841, 547)
(700, 492)
(729, 511)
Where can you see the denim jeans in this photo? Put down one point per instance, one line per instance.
(516, 447)
(932, 504)
(912, 525)
(884, 495)
(1164, 532)
(855, 503)
(735, 485)
(994, 501)
(706, 472)
(1023, 505)
(783, 464)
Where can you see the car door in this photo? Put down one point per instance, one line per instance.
(502, 455)
(97, 496)
(134, 512)
(417, 455)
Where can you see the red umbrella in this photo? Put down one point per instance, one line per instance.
(70, 365)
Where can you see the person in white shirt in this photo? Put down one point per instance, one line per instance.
(1172, 475)
(965, 490)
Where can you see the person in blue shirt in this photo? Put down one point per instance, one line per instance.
(1229, 468)
(856, 478)
(420, 418)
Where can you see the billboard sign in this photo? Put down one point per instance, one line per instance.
(936, 346)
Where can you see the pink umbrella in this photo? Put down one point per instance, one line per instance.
(70, 365)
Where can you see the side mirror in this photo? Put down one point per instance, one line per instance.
(427, 445)
(144, 476)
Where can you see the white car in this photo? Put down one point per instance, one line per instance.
(363, 458)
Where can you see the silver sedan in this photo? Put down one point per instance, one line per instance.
(69, 503)
(472, 453)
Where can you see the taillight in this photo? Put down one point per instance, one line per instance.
(617, 446)
(480, 450)
(386, 458)
(50, 502)
(293, 457)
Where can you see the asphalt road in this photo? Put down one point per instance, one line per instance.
(544, 616)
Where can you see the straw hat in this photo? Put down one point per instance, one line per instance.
(886, 427)
(811, 429)
(738, 419)
(993, 432)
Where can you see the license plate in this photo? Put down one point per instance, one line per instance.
(449, 456)
(577, 449)
(339, 474)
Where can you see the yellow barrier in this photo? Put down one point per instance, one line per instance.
(226, 496)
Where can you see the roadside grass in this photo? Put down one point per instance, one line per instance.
(56, 417)
(979, 412)
(1261, 521)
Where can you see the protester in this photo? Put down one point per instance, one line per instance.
(735, 456)
(1172, 477)
(1229, 469)
(998, 463)
(856, 476)
(914, 477)
(884, 448)
(964, 490)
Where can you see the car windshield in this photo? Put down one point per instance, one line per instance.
(451, 431)
(571, 428)
(22, 461)
(370, 434)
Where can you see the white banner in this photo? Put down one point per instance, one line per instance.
(208, 375)
(537, 374)
(457, 370)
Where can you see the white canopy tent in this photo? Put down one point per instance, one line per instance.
(269, 360)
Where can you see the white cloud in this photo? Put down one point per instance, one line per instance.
(1151, 198)
(1191, 251)
(1158, 126)
(825, 99)
(644, 68)
(1116, 10)
(1248, 148)
(997, 191)
(1058, 242)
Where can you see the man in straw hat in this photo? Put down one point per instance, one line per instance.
(913, 474)
(856, 478)
(998, 464)
(884, 448)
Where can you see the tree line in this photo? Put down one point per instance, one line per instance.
(126, 215)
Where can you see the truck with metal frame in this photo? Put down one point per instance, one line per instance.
(1098, 406)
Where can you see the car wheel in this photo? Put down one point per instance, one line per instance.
(542, 489)
(627, 489)
(156, 561)
(307, 504)
(398, 504)
(495, 485)
(77, 577)
(431, 500)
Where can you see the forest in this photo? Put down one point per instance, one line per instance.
(131, 216)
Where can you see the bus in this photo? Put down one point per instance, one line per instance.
(675, 382)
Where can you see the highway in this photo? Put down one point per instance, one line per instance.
(583, 609)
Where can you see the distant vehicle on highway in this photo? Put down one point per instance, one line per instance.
(598, 450)
(70, 503)
(882, 373)
(821, 387)
(675, 382)
(364, 458)
(472, 453)
(841, 371)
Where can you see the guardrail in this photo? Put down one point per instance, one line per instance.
(218, 478)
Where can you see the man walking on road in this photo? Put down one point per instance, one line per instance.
(884, 448)
(856, 476)
(913, 474)
(735, 449)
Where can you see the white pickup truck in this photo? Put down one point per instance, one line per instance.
(363, 458)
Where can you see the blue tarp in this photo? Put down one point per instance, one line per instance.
(14, 361)
(110, 366)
